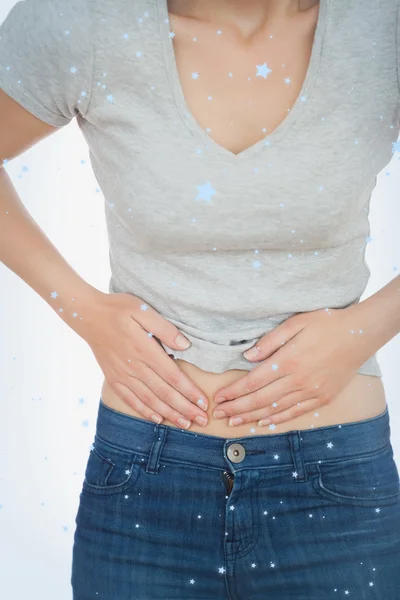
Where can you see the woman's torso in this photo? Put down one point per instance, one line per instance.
(237, 116)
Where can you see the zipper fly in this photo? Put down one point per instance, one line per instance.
(228, 481)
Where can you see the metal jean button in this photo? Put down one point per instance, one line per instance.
(236, 453)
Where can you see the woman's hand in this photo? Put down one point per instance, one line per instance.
(305, 362)
(119, 329)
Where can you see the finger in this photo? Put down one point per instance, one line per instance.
(158, 360)
(151, 320)
(261, 376)
(145, 402)
(132, 400)
(168, 395)
(257, 401)
(297, 410)
(262, 415)
(271, 342)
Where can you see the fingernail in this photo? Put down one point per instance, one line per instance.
(201, 421)
(219, 399)
(235, 421)
(219, 414)
(184, 422)
(252, 353)
(182, 342)
(264, 422)
(200, 402)
(156, 418)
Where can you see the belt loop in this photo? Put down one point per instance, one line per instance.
(160, 436)
(297, 455)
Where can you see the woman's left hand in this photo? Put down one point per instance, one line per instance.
(305, 362)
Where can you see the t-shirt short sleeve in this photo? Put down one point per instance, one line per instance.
(46, 58)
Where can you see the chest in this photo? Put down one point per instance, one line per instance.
(240, 92)
(182, 173)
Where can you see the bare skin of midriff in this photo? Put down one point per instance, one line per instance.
(363, 398)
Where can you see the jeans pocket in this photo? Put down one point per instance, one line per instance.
(110, 469)
(367, 480)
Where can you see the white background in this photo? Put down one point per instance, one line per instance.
(50, 381)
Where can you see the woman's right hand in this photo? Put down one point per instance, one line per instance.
(119, 329)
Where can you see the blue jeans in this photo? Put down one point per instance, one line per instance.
(171, 514)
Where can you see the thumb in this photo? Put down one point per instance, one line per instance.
(158, 326)
(272, 341)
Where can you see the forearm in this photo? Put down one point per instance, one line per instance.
(378, 317)
(28, 252)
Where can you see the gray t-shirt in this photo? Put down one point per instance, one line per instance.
(224, 246)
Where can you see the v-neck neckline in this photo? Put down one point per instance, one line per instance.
(186, 114)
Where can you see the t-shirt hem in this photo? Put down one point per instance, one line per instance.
(226, 358)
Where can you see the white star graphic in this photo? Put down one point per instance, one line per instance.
(263, 71)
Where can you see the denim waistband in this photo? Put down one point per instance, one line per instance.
(297, 447)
